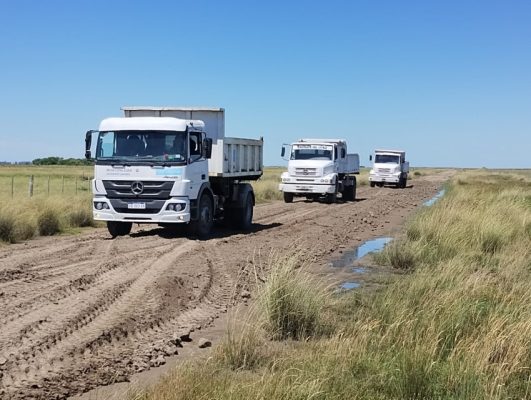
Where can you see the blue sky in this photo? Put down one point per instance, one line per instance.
(448, 81)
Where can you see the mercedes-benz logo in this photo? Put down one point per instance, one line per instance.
(137, 187)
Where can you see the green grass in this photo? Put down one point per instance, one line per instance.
(456, 326)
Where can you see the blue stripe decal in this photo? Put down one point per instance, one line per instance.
(169, 172)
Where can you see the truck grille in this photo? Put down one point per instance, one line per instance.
(384, 170)
(159, 190)
(305, 171)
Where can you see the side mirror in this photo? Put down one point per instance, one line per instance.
(283, 152)
(370, 157)
(88, 143)
(207, 148)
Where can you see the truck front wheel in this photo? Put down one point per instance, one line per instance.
(205, 218)
(119, 228)
(288, 197)
(373, 184)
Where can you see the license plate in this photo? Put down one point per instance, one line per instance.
(136, 206)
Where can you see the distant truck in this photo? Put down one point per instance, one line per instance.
(389, 166)
(171, 166)
(320, 168)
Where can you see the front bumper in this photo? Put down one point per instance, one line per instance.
(385, 178)
(300, 188)
(163, 216)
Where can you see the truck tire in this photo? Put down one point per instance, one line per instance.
(353, 191)
(205, 218)
(404, 182)
(288, 197)
(119, 228)
(401, 182)
(241, 218)
(373, 184)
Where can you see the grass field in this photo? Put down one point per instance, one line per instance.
(455, 323)
(60, 201)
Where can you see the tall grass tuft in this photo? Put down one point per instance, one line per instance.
(292, 301)
(7, 228)
(81, 217)
(397, 255)
(49, 223)
(244, 345)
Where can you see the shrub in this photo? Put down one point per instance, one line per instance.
(81, 217)
(48, 223)
(7, 228)
(25, 229)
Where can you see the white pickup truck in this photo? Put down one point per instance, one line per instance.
(320, 168)
(172, 165)
(389, 166)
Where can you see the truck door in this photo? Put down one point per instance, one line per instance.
(197, 165)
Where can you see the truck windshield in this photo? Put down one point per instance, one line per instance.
(312, 152)
(138, 146)
(386, 159)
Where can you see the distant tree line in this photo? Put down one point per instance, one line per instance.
(61, 161)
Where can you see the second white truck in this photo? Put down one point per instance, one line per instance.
(320, 168)
(389, 166)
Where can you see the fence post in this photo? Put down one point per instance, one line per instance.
(48, 185)
(76, 184)
(63, 185)
(12, 186)
(31, 186)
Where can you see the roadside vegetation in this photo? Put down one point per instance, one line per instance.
(60, 201)
(44, 200)
(453, 323)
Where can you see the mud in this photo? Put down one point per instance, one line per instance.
(83, 311)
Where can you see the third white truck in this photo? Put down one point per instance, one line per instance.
(320, 168)
(389, 166)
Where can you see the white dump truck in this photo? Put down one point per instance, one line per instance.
(320, 168)
(170, 166)
(389, 166)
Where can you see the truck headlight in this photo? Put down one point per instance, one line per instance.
(101, 205)
(175, 207)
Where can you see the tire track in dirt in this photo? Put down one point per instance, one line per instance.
(51, 353)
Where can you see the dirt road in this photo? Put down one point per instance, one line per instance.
(81, 311)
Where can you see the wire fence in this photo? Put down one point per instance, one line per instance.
(17, 186)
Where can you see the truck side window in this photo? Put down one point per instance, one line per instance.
(195, 145)
(343, 152)
(335, 153)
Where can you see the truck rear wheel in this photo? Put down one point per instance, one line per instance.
(205, 218)
(288, 197)
(241, 218)
(119, 228)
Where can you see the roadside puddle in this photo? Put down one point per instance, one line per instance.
(349, 257)
(370, 246)
(350, 285)
(434, 199)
